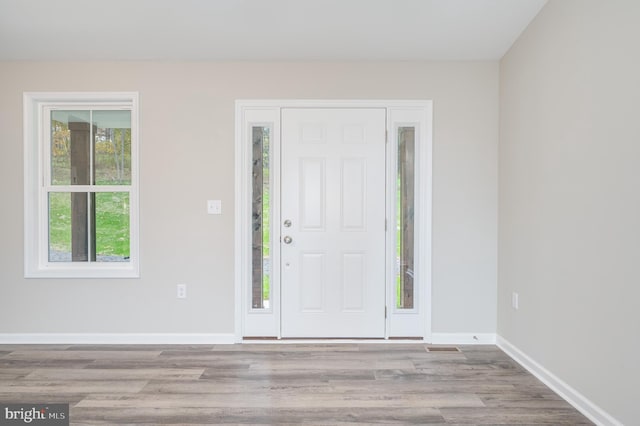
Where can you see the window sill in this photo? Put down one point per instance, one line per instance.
(66, 270)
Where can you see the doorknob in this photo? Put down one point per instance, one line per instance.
(287, 239)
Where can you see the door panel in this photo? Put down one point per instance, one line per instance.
(312, 194)
(354, 196)
(353, 284)
(333, 192)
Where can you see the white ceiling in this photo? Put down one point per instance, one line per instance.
(275, 30)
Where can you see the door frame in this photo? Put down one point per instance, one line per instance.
(414, 322)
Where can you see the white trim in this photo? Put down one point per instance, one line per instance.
(254, 322)
(117, 338)
(239, 226)
(417, 112)
(36, 264)
(463, 338)
(415, 321)
(564, 390)
(328, 103)
(333, 341)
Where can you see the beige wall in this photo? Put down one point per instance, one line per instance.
(187, 157)
(569, 203)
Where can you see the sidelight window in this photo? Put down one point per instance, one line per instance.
(405, 230)
(261, 218)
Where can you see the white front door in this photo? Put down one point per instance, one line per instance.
(333, 222)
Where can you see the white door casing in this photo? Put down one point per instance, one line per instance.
(414, 322)
(332, 199)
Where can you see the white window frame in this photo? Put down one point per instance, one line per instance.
(36, 152)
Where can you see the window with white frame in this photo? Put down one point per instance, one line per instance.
(81, 185)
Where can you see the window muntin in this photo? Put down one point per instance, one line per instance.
(81, 217)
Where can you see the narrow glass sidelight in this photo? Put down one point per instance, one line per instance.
(260, 199)
(405, 230)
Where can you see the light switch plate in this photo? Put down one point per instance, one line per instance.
(214, 206)
(181, 291)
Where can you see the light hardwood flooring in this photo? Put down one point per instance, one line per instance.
(298, 384)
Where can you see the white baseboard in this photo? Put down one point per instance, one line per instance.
(463, 338)
(117, 338)
(569, 394)
(285, 341)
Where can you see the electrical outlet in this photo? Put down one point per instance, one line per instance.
(515, 302)
(181, 291)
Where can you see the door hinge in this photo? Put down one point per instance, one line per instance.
(386, 136)
(385, 312)
(385, 224)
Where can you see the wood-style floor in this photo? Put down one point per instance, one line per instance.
(281, 384)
